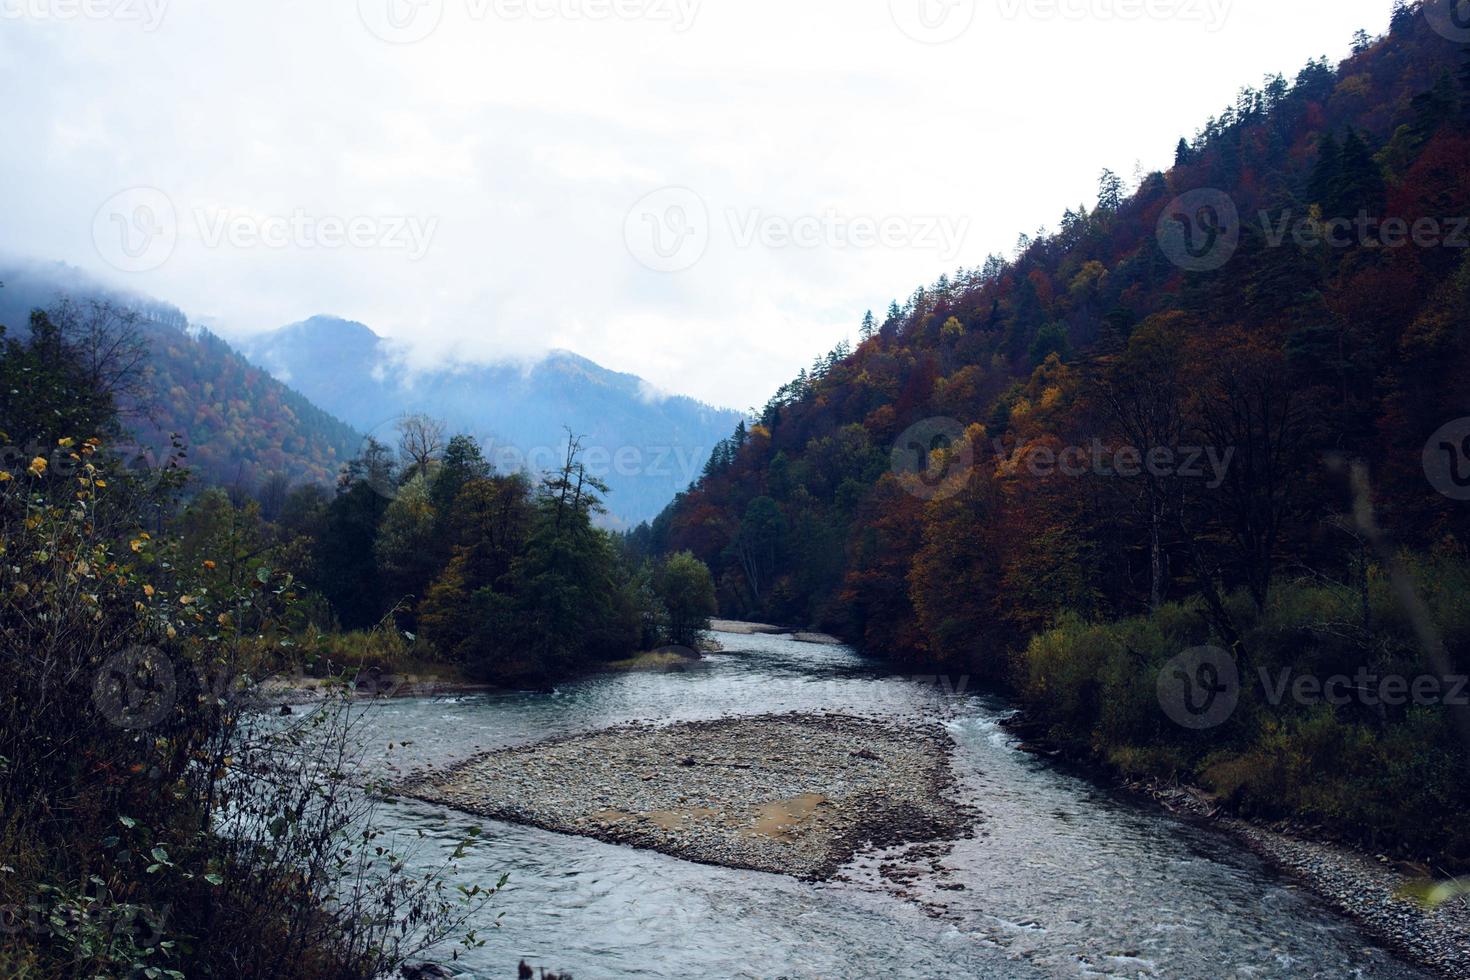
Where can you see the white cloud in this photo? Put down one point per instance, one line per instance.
(528, 140)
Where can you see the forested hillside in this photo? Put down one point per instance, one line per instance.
(239, 426)
(1204, 410)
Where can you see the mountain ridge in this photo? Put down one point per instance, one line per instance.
(647, 445)
(240, 426)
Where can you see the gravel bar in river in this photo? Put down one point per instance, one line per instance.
(790, 794)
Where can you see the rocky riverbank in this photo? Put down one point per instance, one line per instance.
(740, 628)
(298, 690)
(789, 794)
(1372, 891)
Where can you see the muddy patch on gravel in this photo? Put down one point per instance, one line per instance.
(790, 794)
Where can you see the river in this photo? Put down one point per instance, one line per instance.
(1065, 879)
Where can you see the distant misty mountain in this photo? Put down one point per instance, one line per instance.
(239, 424)
(647, 446)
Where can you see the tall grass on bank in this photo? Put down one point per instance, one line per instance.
(1388, 776)
(385, 651)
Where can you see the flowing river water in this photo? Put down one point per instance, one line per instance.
(1064, 878)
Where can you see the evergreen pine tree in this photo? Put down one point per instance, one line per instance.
(1324, 175)
(1109, 192)
(1360, 185)
(1465, 85)
(1402, 16)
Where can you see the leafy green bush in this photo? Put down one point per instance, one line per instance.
(1388, 777)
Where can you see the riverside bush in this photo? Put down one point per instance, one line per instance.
(153, 824)
(1389, 777)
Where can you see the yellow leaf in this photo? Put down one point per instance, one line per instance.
(5, 477)
(66, 443)
(148, 591)
(37, 467)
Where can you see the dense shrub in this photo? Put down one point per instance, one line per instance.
(1389, 777)
(154, 824)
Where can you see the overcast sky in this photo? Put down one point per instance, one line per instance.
(707, 193)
